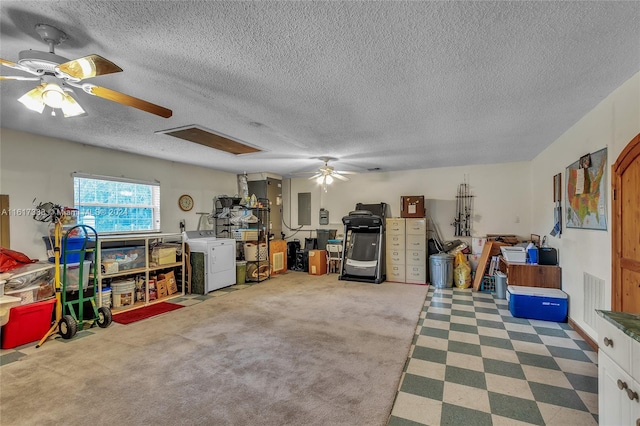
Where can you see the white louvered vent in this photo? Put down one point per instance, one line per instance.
(278, 261)
(593, 298)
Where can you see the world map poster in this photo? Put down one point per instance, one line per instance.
(586, 198)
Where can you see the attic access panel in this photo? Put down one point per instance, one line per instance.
(200, 135)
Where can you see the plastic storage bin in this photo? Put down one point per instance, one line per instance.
(126, 257)
(255, 252)
(6, 303)
(32, 283)
(71, 244)
(546, 304)
(245, 234)
(28, 323)
(73, 275)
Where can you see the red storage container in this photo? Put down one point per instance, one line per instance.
(27, 323)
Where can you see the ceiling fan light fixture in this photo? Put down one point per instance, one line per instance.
(71, 108)
(320, 180)
(329, 180)
(33, 99)
(52, 95)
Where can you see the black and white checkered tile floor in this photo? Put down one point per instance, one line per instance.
(473, 363)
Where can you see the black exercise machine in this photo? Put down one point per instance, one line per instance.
(363, 247)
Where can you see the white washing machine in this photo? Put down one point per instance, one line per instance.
(219, 258)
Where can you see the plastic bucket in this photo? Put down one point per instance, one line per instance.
(441, 270)
(241, 272)
(123, 293)
(106, 297)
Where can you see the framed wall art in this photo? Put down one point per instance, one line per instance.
(586, 192)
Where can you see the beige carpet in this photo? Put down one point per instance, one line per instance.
(294, 350)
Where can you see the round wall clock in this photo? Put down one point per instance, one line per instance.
(185, 202)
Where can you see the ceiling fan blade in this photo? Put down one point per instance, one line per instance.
(8, 63)
(15, 66)
(15, 77)
(339, 176)
(345, 172)
(316, 176)
(123, 99)
(87, 67)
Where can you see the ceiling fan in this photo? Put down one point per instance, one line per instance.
(326, 174)
(58, 77)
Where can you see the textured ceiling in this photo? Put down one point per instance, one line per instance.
(388, 85)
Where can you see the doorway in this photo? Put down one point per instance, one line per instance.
(625, 245)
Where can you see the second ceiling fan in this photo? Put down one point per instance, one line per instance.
(58, 77)
(326, 174)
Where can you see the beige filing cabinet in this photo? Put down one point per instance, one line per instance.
(416, 250)
(395, 249)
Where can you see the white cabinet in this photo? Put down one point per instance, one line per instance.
(137, 259)
(618, 369)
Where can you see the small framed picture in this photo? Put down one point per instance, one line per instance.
(585, 161)
(557, 188)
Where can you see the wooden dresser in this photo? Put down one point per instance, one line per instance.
(531, 275)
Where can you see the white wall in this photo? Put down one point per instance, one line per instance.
(612, 124)
(40, 167)
(501, 203)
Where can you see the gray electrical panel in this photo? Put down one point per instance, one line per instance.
(323, 217)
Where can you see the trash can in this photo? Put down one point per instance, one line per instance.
(323, 236)
(441, 270)
(241, 272)
(501, 285)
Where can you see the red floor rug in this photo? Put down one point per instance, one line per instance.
(146, 312)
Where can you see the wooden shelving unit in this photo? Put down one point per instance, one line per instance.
(109, 242)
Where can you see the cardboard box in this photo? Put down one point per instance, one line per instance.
(163, 255)
(317, 262)
(170, 280)
(110, 267)
(412, 206)
(161, 287)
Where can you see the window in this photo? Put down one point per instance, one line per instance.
(116, 205)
